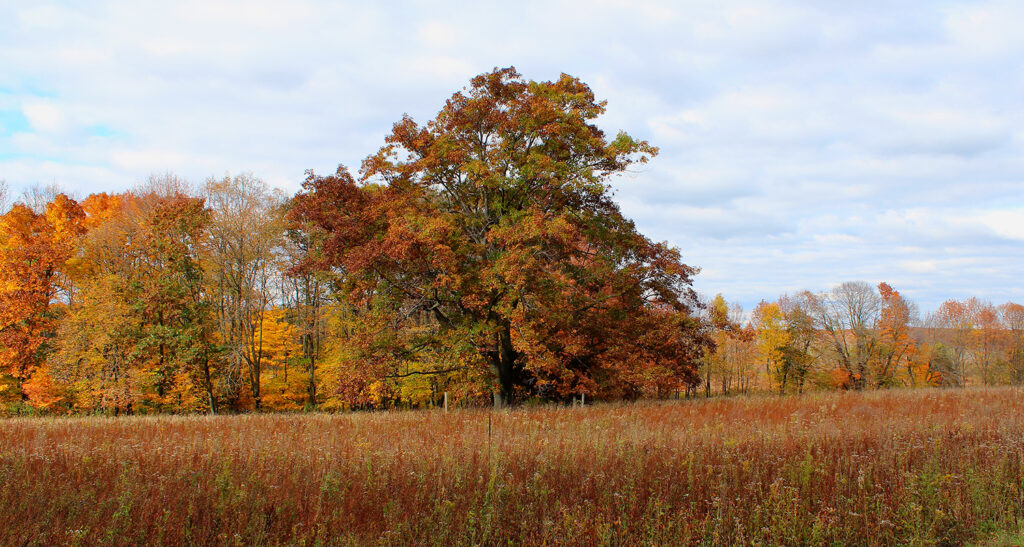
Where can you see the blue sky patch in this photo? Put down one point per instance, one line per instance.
(104, 131)
(13, 121)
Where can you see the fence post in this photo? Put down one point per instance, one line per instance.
(446, 401)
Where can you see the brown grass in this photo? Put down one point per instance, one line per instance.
(877, 468)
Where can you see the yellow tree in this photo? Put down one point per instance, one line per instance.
(283, 383)
(769, 322)
(93, 347)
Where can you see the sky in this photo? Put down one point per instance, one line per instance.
(803, 144)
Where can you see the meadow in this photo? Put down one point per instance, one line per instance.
(888, 467)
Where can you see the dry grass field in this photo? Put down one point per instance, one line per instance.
(895, 467)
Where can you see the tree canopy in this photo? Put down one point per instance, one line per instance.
(489, 233)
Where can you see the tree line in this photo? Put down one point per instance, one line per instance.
(479, 255)
(858, 336)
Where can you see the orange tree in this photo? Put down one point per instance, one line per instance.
(33, 248)
(493, 225)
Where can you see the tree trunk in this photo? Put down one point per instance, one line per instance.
(208, 381)
(254, 386)
(311, 388)
(502, 364)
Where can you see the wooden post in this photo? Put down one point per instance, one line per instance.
(446, 401)
(583, 399)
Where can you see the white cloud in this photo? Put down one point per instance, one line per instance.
(920, 266)
(1006, 223)
(438, 34)
(45, 117)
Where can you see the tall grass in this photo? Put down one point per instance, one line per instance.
(910, 467)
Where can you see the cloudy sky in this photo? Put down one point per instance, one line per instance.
(802, 144)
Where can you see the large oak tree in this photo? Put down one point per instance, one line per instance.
(495, 221)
